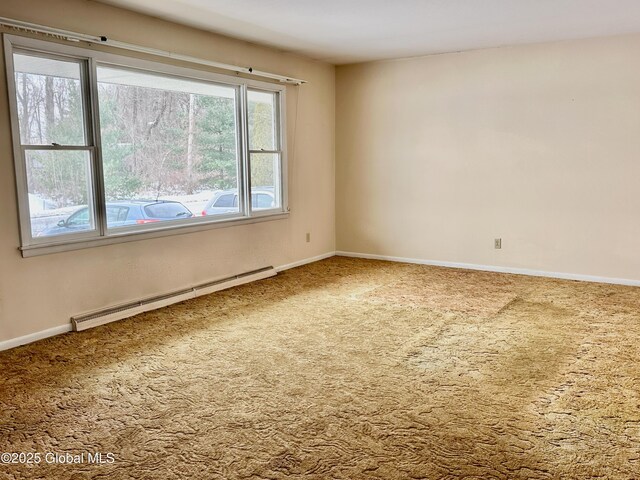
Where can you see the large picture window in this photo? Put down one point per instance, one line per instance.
(108, 146)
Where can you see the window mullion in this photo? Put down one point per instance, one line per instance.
(280, 180)
(245, 184)
(93, 117)
(57, 147)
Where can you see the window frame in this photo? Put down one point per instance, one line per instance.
(277, 150)
(89, 60)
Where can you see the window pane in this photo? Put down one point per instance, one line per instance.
(262, 120)
(265, 181)
(49, 98)
(166, 138)
(60, 199)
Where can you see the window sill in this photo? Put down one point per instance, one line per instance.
(48, 248)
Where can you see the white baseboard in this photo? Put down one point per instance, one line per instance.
(305, 261)
(34, 337)
(493, 268)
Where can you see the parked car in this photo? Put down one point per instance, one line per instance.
(123, 213)
(226, 201)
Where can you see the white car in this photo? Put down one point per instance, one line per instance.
(226, 201)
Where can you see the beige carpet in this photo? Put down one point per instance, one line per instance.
(345, 369)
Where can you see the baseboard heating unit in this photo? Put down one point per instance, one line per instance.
(119, 312)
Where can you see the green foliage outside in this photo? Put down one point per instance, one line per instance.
(154, 142)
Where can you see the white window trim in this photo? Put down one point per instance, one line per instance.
(39, 246)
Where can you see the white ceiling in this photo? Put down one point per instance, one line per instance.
(346, 31)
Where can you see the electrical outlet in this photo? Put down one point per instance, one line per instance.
(308, 237)
(497, 243)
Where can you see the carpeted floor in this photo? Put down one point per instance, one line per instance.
(346, 369)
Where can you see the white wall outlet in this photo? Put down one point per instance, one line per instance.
(497, 243)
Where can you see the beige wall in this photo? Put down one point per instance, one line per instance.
(540, 145)
(43, 292)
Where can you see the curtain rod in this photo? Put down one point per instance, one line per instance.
(103, 40)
